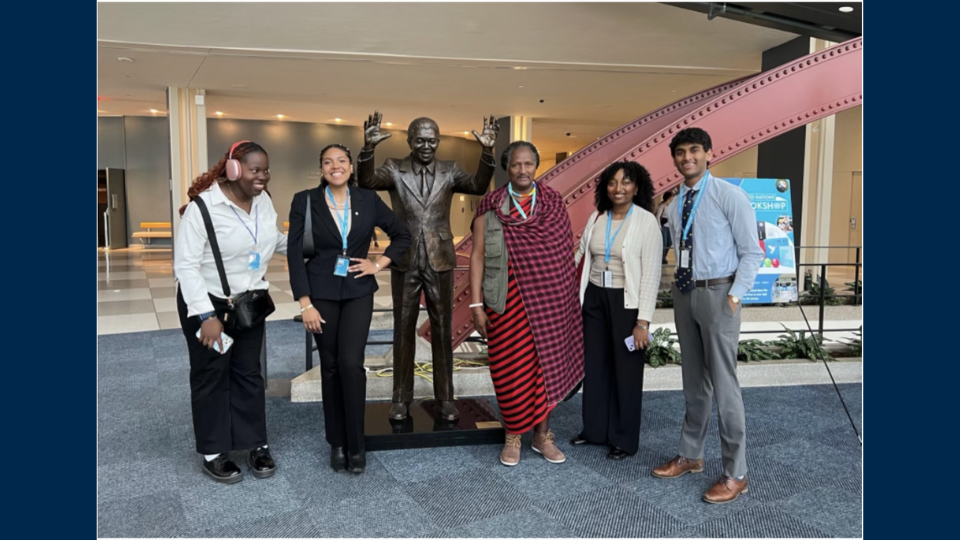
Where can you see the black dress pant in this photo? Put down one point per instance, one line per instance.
(226, 390)
(613, 376)
(344, 381)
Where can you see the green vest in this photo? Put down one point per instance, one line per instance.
(495, 261)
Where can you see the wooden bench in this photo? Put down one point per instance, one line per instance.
(149, 233)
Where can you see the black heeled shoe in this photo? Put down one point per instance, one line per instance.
(617, 454)
(356, 463)
(579, 440)
(338, 460)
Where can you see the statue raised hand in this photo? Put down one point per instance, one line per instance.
(371, 131)
(488, 139)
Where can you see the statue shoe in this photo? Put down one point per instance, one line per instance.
(399, 411)
(448, 411)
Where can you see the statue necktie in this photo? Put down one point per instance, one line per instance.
(684, 276)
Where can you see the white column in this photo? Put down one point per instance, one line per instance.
(187, 114)
(521, 128)
(824, 185)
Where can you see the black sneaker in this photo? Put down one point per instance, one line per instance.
(222, 470)
(261, 463)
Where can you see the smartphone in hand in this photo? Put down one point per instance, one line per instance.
(227, 342)
(631, 346)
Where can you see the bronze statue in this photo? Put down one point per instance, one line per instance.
(421, 190)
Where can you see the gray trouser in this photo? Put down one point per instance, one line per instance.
(709, 334)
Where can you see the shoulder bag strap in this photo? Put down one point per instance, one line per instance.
(212, 238)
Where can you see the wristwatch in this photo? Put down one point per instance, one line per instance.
(735, 299)
(642, 326)
(207, 315)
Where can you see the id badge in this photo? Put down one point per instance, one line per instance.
(685, 258)
(606, 278)
(342, 264)
(253, 261)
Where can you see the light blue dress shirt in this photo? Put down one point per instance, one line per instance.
(724, 233)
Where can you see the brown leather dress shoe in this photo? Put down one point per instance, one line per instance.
(725, 490)
(678, 466)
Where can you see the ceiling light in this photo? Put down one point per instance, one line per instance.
(124, 59)
(389, 124)
(466, 132)
(521, 86)
(219, 113)
(154, 111)
(519, 67)
(338, 119)
(846, 9)
(279, 116)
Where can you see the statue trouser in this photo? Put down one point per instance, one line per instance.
(438, 290)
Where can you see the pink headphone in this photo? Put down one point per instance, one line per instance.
(233, 165)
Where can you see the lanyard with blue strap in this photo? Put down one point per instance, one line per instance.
(342, 261)
(608, 242)
(514, 195)
(693, 211)
(253, 263)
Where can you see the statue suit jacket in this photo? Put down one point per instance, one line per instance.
(425, 217)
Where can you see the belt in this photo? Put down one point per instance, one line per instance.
(715, 281)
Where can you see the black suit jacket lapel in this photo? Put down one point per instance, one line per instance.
(358, 216)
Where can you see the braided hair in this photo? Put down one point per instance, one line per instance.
(219, 171)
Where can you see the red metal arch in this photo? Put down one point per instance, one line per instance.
(738, 115)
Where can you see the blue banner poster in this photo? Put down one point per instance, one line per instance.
(770, 199)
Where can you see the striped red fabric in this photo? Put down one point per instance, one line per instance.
(514, 365)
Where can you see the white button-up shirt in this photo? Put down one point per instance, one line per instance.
(193, 262)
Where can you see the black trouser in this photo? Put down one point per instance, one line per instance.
(344, 383)
(613, 376)
(226, 390)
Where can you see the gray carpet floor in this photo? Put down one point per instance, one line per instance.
(804, 459)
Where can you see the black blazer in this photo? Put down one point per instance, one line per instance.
(315, 278)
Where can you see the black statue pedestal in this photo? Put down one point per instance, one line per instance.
(478, 424)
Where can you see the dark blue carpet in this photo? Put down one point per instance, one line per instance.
(805, 468)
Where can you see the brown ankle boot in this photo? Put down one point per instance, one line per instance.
(544, 445)
(510, 455)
